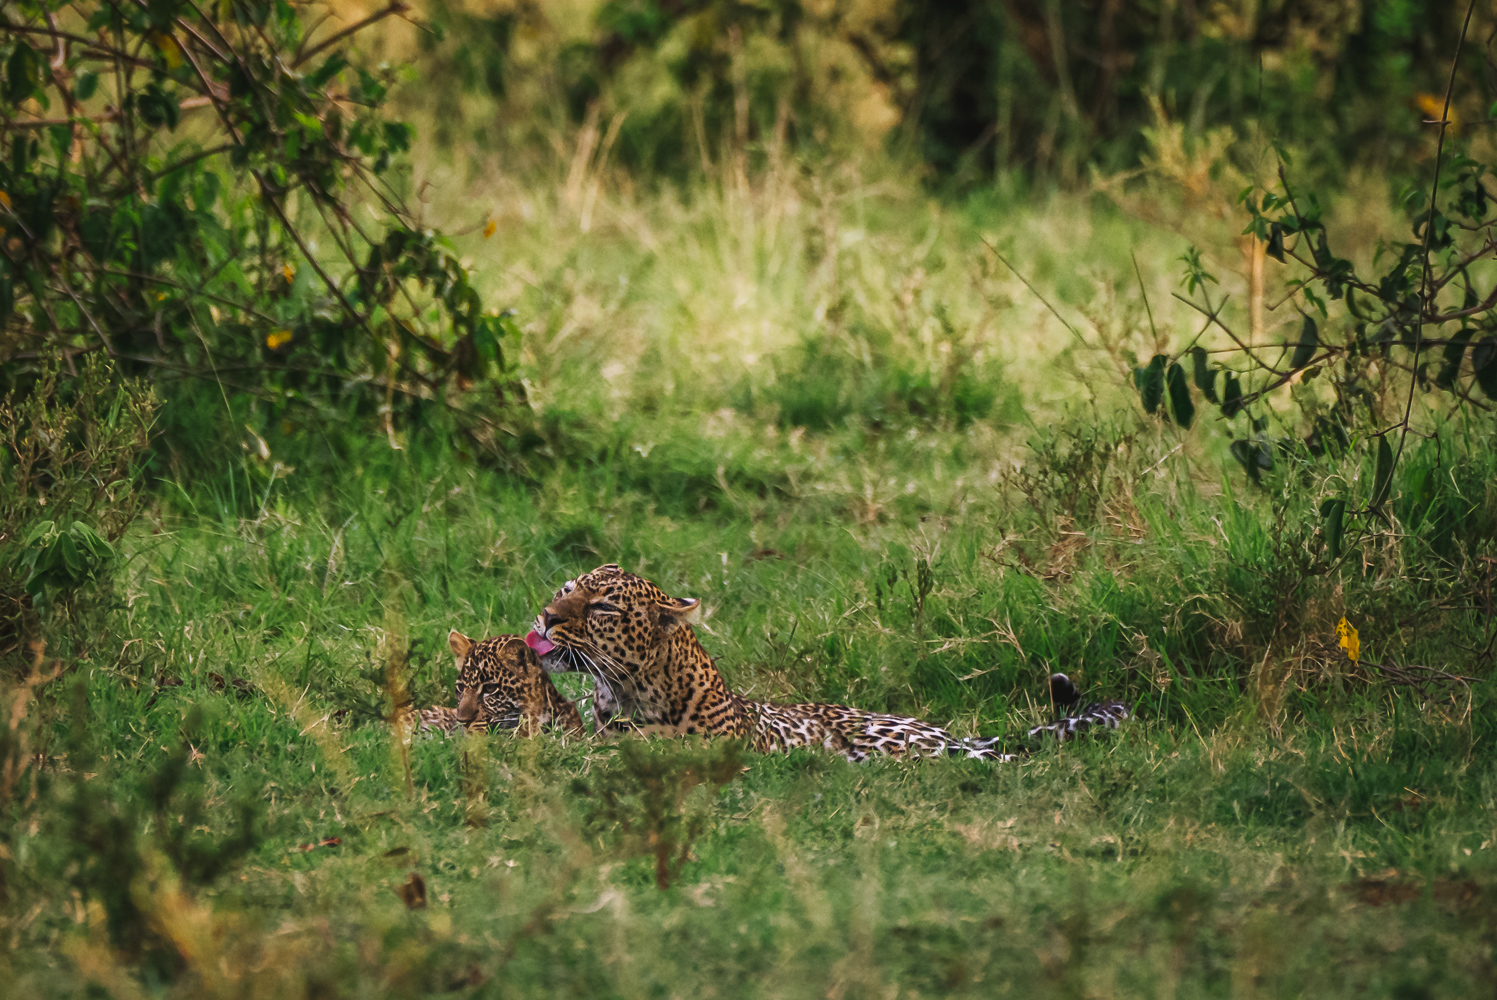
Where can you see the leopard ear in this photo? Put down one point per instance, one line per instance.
(461, 645)
(678, 611)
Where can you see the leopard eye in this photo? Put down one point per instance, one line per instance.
(569, 586)
(606, 608)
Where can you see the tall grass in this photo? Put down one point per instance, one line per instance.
(896, 480)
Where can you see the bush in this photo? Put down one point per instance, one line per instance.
(645, 804)
(190, 213)
(72, 454)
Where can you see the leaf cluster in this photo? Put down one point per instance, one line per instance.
(72, 457)
(208, 192)
(1421, 318)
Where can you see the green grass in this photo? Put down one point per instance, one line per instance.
(1206, 850)
(865, 521)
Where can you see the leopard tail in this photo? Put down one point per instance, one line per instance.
(1079, 718)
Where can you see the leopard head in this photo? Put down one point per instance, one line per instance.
(495, 680)
(610, 624)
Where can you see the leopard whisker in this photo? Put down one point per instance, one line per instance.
(584, 663)
(606, 670)
(611, 670)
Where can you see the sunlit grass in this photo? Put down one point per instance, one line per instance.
(790, 402)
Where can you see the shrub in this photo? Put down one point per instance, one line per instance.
(644, 803)
(189, 212)
(72, 453)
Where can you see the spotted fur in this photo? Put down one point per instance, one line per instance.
(638, 642)
(410, 721)
(500, 685)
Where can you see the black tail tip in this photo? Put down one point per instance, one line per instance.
(1062, 692)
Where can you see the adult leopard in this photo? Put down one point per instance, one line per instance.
(656, 677)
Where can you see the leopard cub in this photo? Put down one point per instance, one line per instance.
(501, 685)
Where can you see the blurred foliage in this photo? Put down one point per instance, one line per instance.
(206, 194)
(667, 90)
(646, 805)
(1046, 86)
(972, 89)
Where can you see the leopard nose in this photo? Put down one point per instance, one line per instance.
(548, 619)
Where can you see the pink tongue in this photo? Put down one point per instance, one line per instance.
(539, 643)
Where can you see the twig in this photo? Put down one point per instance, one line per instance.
(1214, 316)
(193, 291)
(1429, 227)
(1144, 292)
(190, 104)
(1036, 291)
(1407, 674)
(396, 7)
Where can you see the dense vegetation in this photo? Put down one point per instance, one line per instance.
(807, 311)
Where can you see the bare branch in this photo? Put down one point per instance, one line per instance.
(396, 7)
(112, 115)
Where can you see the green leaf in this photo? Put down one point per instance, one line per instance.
(1150, 382)
(1196, 275)
(1382, 477)
(1232, 396)
(21, 73)
(1309, 340)
(1179, 389)
(1484, 364)
(1205, 378)
(91, 541)
(327, 70)
(157, 107)
(398, 136)
(72, 560)
(1333, 513)
(87, 84)
(1275, 248)
(1455, 353)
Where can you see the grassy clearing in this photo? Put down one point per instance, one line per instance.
(869, 516)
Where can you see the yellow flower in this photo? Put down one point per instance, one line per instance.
(1350, 641)
(488, 230)
(278, 338)
(288, 272)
